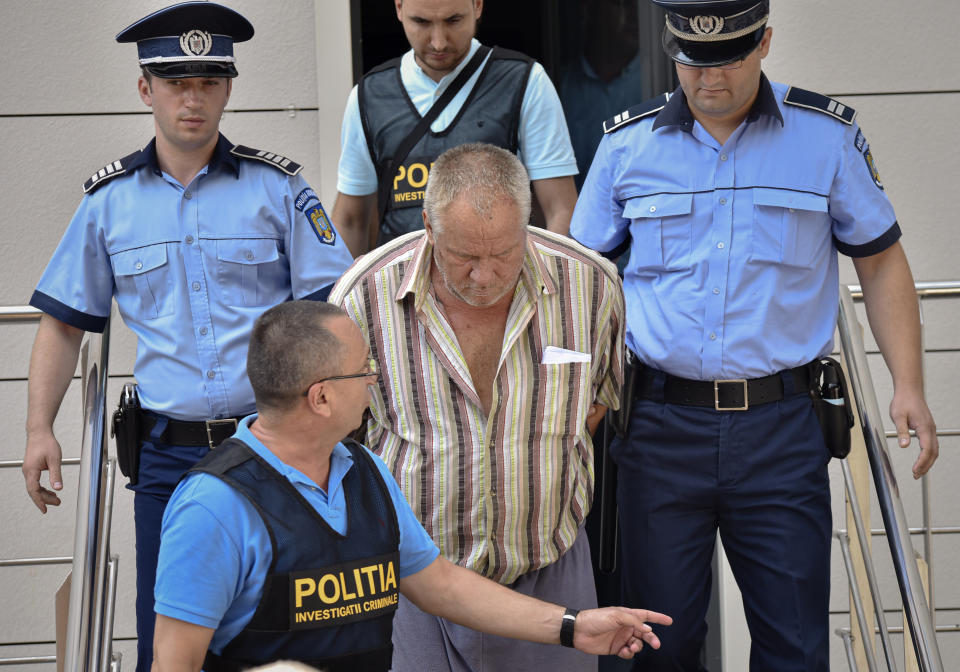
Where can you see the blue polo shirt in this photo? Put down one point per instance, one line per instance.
(215, 551)
(733, 247)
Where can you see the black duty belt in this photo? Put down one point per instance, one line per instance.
(189, 433)
(738, 394)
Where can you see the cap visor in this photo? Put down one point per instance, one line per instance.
(710, 54)
(191, 69)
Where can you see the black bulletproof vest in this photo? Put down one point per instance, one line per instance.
(491, 114)
(328, 599)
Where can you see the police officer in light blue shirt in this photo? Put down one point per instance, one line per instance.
(734, 195)
(194, 237)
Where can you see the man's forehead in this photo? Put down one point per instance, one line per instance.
(434, 9)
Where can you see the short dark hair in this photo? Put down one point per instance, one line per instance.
(147, 75)
(290, 347)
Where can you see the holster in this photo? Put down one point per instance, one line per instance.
(126, 430)
(831, 403)
(620, 419)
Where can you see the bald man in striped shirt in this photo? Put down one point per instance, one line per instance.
(501, 347)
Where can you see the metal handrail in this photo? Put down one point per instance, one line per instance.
(83, 645)
(924, 289)
(93, 587)
(888, 494)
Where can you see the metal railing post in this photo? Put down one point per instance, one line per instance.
(888, 493)
(82, 646)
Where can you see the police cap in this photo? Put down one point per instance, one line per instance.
(189, 39)
(708, 33)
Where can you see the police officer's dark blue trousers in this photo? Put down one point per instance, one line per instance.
(760, 477)
(161, 467)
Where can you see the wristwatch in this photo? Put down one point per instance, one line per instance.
(566, 627)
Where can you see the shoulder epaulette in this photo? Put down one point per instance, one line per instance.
(109, 171)
(820, 103)
(281, 162)
(628, 116)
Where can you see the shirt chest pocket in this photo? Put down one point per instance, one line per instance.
(144, 282)
(662, 231)
(565, 398)
(790, 228)
(248, 271)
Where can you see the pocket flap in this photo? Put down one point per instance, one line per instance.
(659, 205)
(784, 198)
(139, 260)
(247, 251)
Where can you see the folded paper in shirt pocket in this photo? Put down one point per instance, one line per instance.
(554, 355)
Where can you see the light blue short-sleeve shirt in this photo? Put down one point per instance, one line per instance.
(192, 267)
(733, 247)
(208, 524)
(545, 148)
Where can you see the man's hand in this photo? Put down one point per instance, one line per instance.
(891, 302)
(616, 631)
(43, 453)
(52, 363)
(909, 411)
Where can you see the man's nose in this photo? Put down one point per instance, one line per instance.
(481, 273)
(438, 38)
(191, 93)
(711, 75)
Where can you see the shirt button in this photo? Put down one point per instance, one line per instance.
(653, 208)
(203, 331)
(713, 336)
(138, 265)
(211, 374)
(188, 240)
(716, 290)
(196, 286)
(249, 256)
(723, 201)
(723, 157)
(187, 195)
(720, 246)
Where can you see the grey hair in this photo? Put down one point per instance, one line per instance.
(290, 348)
(478, 173)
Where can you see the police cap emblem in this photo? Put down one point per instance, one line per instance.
(196, 42)
(706, 25)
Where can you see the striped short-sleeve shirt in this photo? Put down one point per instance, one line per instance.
(503, 492)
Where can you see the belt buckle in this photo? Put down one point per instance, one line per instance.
(716, 395)
(210, 424)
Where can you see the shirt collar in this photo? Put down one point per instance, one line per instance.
(534, 274)
(221, 156)
(677, 113)
(337, 464)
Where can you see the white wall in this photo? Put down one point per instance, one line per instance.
(60, 58)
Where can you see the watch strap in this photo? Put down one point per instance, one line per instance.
(566, 627)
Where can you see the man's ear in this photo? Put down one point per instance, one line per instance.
(145, 89)
(427, 227)
(764, 47)
(319, 399)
